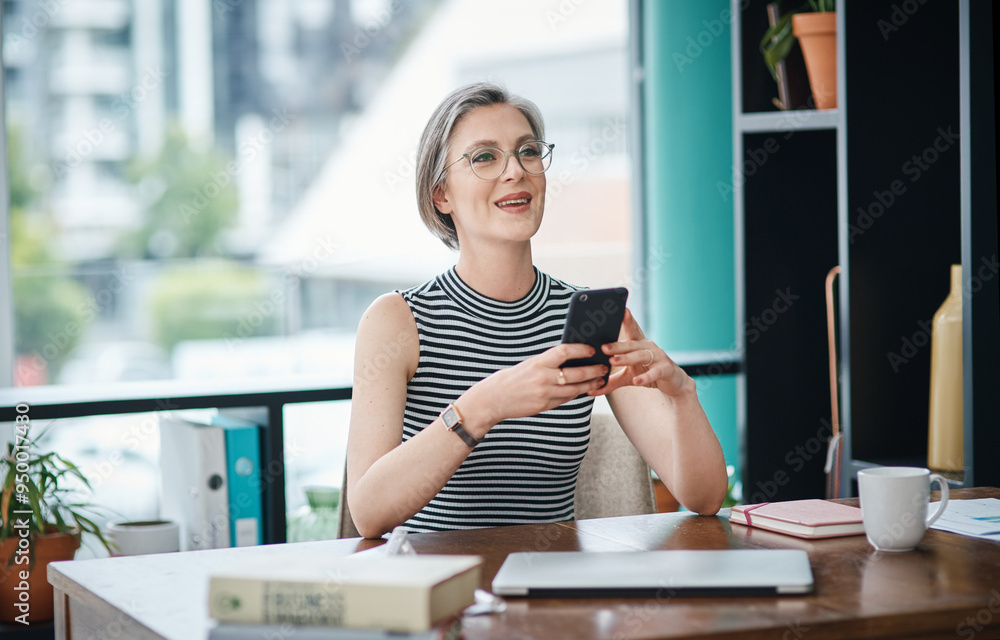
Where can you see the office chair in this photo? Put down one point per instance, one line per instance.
(345, 523)
(614, 480)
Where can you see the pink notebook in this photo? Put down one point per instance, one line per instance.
(801, 518)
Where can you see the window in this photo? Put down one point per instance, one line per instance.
(218, 190)
(185, 181)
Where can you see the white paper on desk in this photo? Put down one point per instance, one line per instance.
(979, 518)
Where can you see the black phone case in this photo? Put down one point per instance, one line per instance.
(594, 318)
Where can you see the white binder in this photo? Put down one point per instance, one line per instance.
(195, 487)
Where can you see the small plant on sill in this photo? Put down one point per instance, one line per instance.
(778, 40)
(38, 496)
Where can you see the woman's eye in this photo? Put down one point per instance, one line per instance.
(529, 152)
(484, 156)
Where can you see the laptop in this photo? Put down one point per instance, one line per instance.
(737, 572)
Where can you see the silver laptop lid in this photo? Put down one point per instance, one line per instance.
(651, 573)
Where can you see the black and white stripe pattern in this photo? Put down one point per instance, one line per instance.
(525, 469)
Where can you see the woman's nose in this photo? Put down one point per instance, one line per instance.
(513, 171)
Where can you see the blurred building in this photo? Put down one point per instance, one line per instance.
(318, 104)
(81, 93)
(93, 84)
(569, 59)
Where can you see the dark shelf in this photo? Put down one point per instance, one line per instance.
(34, 631)
(903, 208)
(790, 243)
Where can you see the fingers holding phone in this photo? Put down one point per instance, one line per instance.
(570, 375)
(575, 367)
(535, 385)
(641, 363)
(594, 318)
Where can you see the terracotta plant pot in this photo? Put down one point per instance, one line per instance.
(817, 35)
(52, 547)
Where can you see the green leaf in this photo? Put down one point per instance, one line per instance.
(780, 30)
(73, 469)
(60, 522)
(85, 524)
(823, 6)
(779, 40)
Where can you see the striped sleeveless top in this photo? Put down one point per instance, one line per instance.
(525, 469)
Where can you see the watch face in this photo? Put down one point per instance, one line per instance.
(450, 417)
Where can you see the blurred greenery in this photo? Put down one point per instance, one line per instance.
(211, 301)
(49, 310)
(735, 492)
(29, 227)
(49, 316)
(189, 198)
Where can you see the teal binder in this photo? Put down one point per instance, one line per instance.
(246, 513)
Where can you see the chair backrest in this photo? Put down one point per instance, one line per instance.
(345, 523)
(614, 479)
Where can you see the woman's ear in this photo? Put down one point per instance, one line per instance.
(441, 200)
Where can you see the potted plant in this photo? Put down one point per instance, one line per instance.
(814, 25)
(44, 515)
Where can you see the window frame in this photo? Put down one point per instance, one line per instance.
(6, 276)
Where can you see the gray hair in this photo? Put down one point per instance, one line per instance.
(432, 151)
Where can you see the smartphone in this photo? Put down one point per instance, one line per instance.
(594, 318)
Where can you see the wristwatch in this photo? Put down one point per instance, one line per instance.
(452, 420)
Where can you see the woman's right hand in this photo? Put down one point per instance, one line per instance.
(528, 388)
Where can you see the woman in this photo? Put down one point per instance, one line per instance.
(462, 415)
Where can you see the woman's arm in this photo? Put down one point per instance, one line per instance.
(389, 481)
(657, 405)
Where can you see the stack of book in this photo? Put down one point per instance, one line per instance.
(360, 597)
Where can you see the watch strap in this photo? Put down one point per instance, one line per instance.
(453, 422)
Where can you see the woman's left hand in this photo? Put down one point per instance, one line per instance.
(638, 362)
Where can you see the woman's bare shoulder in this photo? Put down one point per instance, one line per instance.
(389, 308)
(387, 327)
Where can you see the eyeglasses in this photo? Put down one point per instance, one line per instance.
(489, 163)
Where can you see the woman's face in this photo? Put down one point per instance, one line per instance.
(505, 209)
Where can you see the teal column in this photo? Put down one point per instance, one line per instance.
(690, 294)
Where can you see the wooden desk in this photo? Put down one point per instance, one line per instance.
(949, 587)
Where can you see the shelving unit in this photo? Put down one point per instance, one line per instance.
(874, 186)
(785, 121)
(786, 208)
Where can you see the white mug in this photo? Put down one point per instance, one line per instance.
(142, 537)
(894, 505)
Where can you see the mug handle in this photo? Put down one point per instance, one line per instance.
(943, 503)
